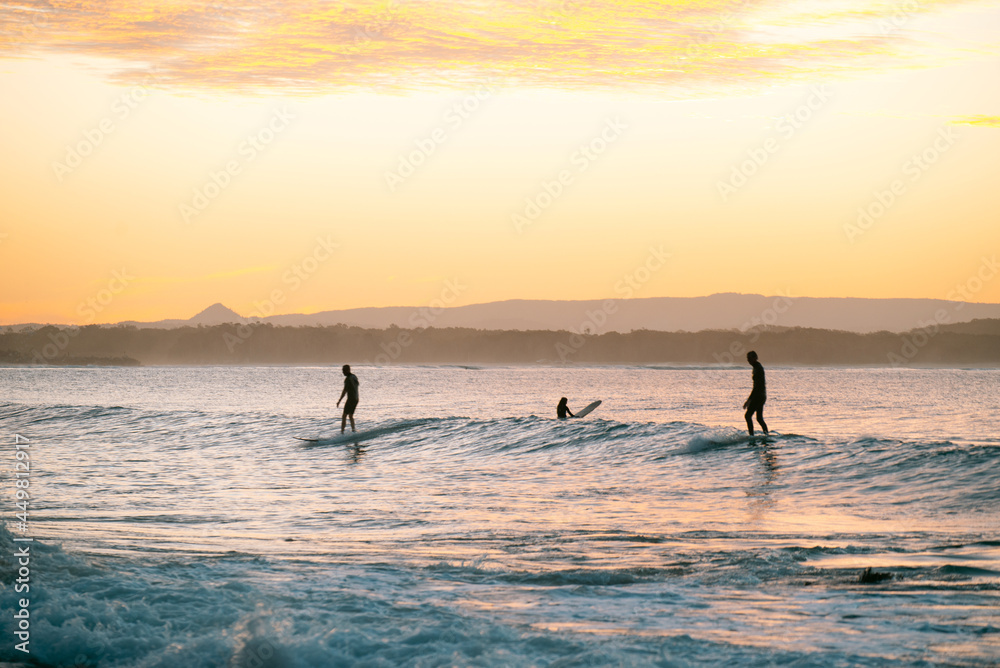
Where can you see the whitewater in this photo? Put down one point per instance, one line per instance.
(175, 520)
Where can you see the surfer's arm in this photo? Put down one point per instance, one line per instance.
(569, 412)
(342, 396)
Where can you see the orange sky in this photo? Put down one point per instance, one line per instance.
(338, 155)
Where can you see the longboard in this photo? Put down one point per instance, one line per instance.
(363, 434)
(336, 438)
(586, 410)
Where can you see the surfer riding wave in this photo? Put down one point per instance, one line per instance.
(351, 384)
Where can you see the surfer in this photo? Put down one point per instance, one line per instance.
(758, 395)
(351, 384)
(562, 410)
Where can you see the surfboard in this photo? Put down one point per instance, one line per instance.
(360, 435)
(586, 410)
(332, 438)
(351, 437)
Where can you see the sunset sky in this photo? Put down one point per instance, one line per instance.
(159, 157)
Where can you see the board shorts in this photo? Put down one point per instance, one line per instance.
(756, 403)
(350, 406)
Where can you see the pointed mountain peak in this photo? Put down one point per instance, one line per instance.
(216, 314)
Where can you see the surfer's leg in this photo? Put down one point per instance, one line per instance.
(343, 422)
(349, 412)
(760, 419)
(749, 418)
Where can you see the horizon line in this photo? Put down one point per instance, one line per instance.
(253, 318)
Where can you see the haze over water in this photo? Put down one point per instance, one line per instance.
(178, 522)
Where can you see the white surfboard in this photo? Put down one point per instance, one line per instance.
(363, 434)
(335, 438)
(586, 410)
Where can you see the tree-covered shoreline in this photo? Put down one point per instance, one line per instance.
(968, 344)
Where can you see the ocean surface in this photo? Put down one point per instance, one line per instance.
(176, 521)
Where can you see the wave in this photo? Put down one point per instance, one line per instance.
(228, 612)
(942, 474)
(508, 434)
(714, 438)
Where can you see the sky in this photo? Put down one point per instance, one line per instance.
(294, 157)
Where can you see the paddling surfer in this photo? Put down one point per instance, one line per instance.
(758, 395)
(351, 384)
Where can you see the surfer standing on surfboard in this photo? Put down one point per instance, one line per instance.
(351, 384)
(758, 395)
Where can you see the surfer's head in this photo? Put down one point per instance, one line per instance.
(751, 357)
(347, 369)
(562, 402)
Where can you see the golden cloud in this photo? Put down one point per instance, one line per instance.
(315, 46)
(982, 121)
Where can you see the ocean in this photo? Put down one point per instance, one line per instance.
(176, 521)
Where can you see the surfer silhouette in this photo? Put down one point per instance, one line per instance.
(351, 384)
(562, 410)
(758, 395)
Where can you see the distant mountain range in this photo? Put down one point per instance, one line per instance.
(671, 314)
